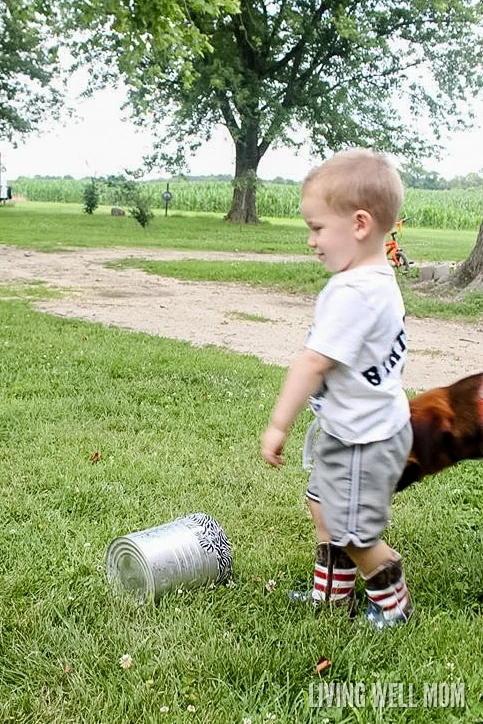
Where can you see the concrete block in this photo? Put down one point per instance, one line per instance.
(441, 271)
(426, 273)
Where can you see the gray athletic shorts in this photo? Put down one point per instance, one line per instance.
(355, 485)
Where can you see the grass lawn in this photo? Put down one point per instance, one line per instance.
(306, 278)
(50, 226)
(178, 431)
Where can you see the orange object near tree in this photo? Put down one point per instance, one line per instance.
(394, 251)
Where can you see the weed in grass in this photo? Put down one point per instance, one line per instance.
(31, 290)
(178, 431)
(428, 352)
(245, 317)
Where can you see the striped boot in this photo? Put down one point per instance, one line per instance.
(334, 580)
(389, 601)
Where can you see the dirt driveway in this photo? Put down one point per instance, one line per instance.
(212, 313)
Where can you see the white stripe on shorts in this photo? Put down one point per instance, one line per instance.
(355, 484)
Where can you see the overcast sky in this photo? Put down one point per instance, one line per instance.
(99, 142)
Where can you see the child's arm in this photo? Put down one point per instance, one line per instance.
(304, 379)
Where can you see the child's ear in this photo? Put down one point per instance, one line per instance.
(363, 223)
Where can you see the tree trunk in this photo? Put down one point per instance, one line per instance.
(243, 206)
(470, 273)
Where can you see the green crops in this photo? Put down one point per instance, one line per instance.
(455, 209)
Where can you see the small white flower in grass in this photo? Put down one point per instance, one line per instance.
(231, 583)
(125, 661)
(271, 585)
(270, 716)
(246, 720)
(450, 665)
(191, 708)
(164, 709)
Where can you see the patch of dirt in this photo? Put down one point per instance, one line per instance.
(211, 313)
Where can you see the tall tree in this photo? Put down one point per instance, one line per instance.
(345, 72)
(28, 66)
(470, 273)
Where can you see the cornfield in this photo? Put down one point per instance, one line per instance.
(455, 209)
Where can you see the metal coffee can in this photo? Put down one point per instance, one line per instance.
(188, 552)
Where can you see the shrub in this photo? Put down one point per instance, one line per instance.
(91, 197)
(141, 209)
(135, 196)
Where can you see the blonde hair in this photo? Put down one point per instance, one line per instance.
(359, 179)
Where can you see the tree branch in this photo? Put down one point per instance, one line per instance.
(277, 23)
(298, 48)
(228, 115)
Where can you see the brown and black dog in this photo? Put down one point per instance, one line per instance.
(447, 426)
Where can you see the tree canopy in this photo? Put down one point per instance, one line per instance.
(415, 176)
(121, 34)
(117, 33)
(391, 75)
(28, 67)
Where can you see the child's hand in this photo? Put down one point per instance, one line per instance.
(273, 441)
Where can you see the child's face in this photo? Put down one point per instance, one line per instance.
(333, 236)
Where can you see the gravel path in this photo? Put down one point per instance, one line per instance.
(209, 313)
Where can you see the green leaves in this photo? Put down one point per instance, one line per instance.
(29, 63)
(389, 75)
(135, 35)
(337, 69)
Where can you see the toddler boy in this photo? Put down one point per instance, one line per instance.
(350, 371)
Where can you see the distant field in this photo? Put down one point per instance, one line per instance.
(457, 209)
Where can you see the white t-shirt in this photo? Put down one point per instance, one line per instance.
(359, 323)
